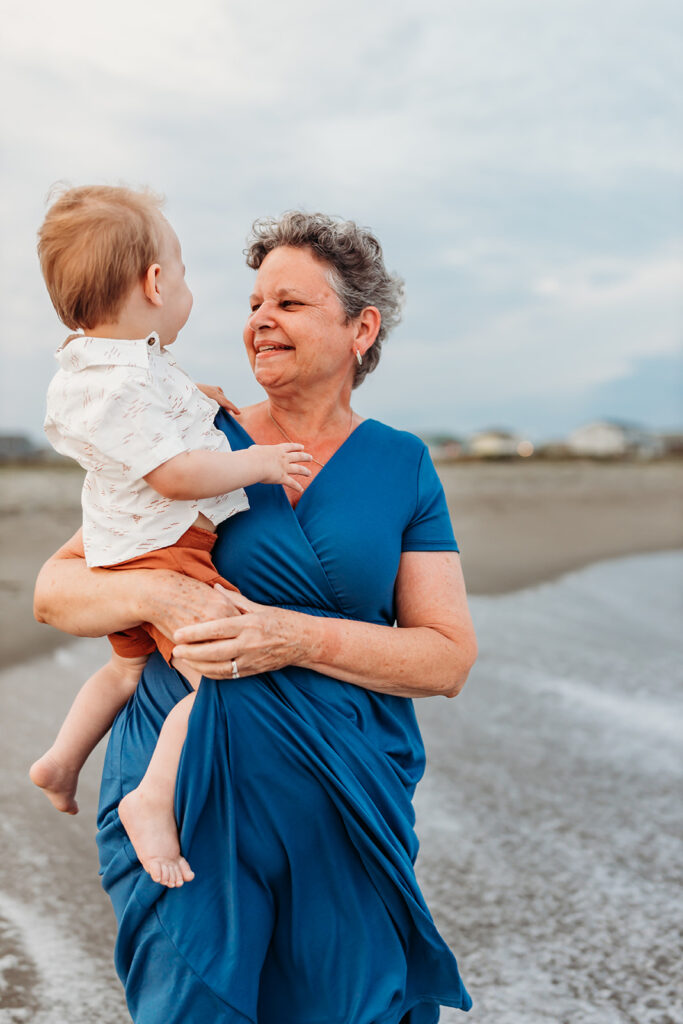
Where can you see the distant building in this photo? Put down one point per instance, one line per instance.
(605, 439)
(443, 447)
(498, 444)
(20, 448)
(17, 448)
(672, 443)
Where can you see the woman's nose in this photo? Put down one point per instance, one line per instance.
(262, 316)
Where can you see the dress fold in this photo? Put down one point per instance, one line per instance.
(294, 793)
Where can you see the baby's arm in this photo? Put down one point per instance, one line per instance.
(203, 474)
(89, 718)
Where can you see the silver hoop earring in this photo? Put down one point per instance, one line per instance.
(359, 358)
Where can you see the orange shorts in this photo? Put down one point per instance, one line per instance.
(190, 555)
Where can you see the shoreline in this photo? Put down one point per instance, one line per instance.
(550, 779)
(518, 525)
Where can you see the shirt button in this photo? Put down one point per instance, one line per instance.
(150, 341)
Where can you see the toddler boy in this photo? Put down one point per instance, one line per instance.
(160, 476)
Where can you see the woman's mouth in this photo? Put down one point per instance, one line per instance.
(262, 350)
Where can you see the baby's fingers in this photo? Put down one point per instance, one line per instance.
(290, 481)
(298, 470)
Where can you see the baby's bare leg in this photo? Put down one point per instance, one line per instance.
(89, 718)
(146, 813)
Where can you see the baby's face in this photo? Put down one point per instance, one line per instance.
(176, 296)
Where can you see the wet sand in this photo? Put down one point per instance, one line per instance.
(517, 524)
(541, 839)
(549, 817)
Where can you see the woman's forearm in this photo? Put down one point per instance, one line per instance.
(87, 602)
(431, 651)
(93, 602)
(406, 662)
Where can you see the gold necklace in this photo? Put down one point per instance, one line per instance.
(288, 438)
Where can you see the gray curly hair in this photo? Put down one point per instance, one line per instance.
(356, 270)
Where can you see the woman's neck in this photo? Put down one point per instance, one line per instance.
(311, 419)
(322, 428)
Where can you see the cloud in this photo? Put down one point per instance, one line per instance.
(518, 161)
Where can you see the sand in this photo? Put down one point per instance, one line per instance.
(547, 817)
(517, 524)
(523, 523)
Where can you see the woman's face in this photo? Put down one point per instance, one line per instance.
(297, 331)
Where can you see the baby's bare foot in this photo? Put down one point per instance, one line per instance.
(57, 781)
(153, 832)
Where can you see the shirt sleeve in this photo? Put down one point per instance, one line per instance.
(135, 427)
(430, 527)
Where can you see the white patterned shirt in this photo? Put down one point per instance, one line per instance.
(120, 409)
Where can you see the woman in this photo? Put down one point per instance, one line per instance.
(295, 784)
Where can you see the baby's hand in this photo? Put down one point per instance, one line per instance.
(213, 391)
(282, 462)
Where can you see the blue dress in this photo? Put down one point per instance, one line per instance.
(294, 793)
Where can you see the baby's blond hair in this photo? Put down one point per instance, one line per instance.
(95, 243)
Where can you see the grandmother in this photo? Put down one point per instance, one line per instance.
(295, 785)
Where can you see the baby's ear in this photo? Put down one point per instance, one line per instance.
(150, 284)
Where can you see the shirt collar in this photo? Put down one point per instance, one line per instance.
(79, 351)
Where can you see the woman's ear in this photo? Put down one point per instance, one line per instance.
(368, 324)
(151, 284)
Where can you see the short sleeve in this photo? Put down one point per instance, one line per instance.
(129, 425)
(430, 527)
(136, 428)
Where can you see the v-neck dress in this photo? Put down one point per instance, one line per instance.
(294, 791)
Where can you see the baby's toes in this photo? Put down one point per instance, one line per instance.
(186, 870)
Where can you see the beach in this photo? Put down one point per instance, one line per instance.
(517, 523)
(548, 817)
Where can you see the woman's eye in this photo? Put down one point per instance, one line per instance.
(255, 306)
(286, 303)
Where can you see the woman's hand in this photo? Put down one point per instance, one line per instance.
(430, 653)
(175, 601)
(258, 639)
(93, 602)
(218, 395)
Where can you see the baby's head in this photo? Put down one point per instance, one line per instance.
(99, 246)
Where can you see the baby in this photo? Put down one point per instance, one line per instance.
(160, 476)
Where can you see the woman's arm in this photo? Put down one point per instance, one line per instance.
(93, 602)
(430, 653)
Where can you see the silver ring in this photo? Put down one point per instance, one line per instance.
(235, 672)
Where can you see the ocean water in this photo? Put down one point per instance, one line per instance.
(550, 816)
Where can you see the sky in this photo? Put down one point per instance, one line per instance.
(519, 161)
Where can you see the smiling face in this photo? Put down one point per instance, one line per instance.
(297, 333)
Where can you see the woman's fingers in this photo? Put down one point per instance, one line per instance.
(213, 629)
(259, 639)
(216, 393)
(238, 600)
(209, 653)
